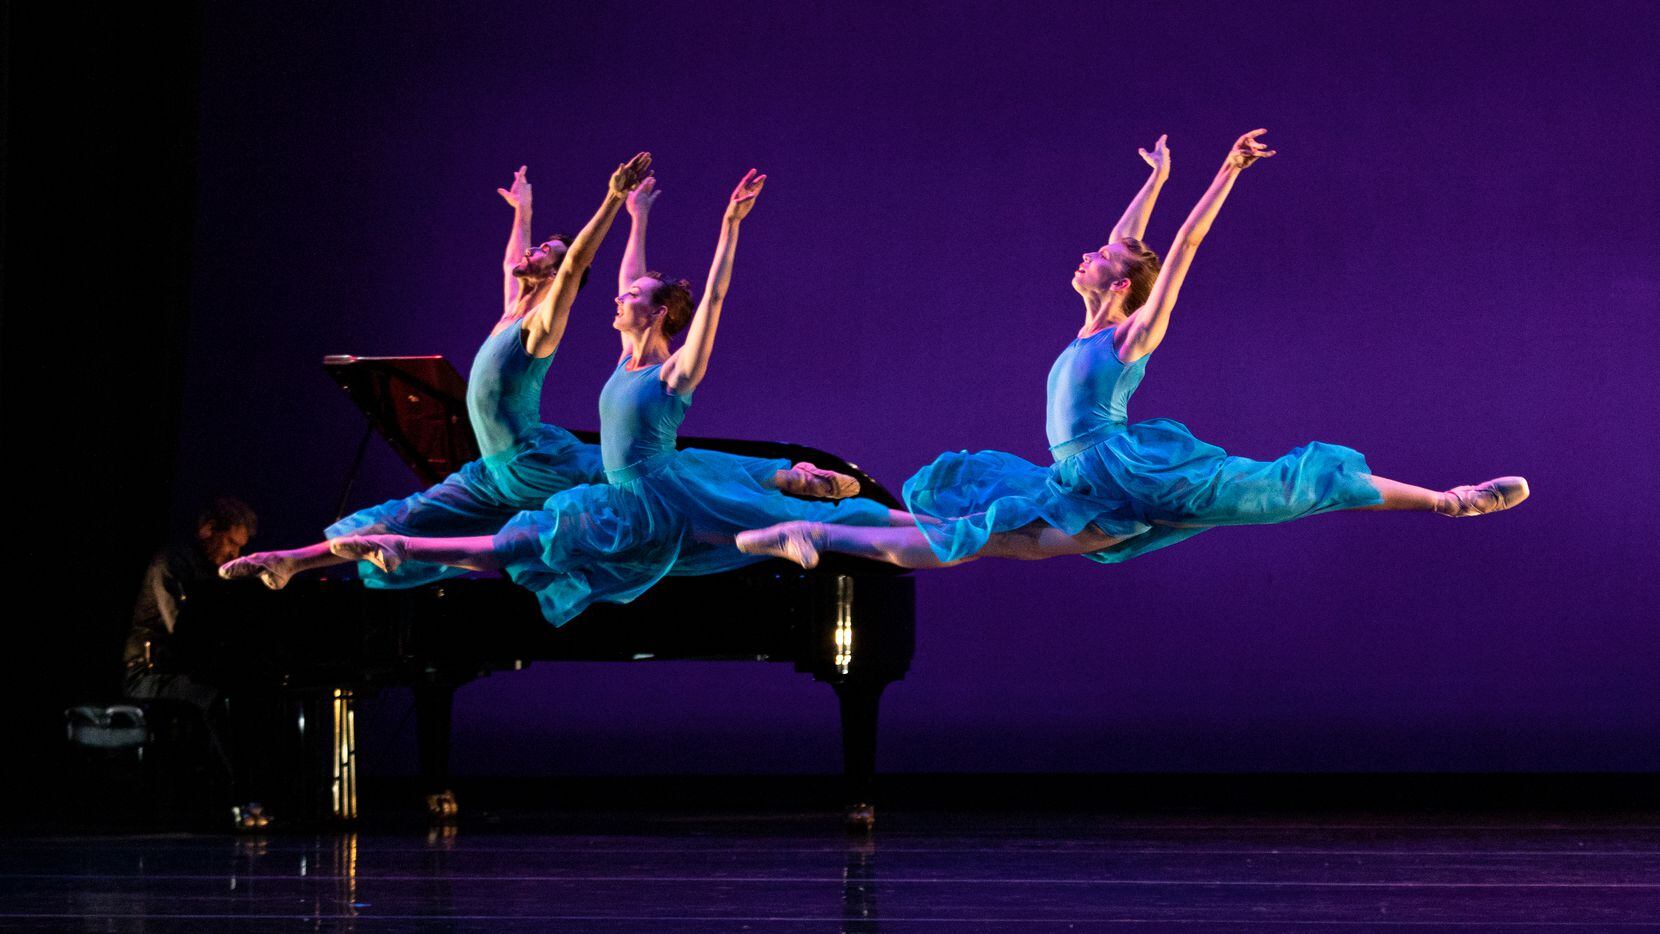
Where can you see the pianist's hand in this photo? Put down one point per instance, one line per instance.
(519, 194)
(743, 196)
(642, 198)
(630, 173)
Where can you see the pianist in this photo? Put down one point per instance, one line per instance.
(222, 530)
(153, 671)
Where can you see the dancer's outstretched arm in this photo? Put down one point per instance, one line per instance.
(1145, 328)
(518, 239)
(634, 265)
(545, 324)
(1134, 222)
(686, 366)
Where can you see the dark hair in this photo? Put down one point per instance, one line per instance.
(677, 295)
(226, 512)
(566, 239)
(1141, 267)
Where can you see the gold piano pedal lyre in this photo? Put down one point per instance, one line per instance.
(844, 623)
(343, 743)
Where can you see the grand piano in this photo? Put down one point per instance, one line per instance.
(320, 644)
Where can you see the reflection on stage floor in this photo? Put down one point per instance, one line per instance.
(788, 871)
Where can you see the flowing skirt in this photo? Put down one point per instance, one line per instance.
(679, 516)
(1150, 484)
(475, 500)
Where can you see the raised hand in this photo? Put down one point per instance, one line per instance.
(1159, 158)
(1247, 149)
(743, 196)
(643, 197)
(630, 173)
(519, 194)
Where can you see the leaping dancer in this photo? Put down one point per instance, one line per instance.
(1116, 489)
(522, 460)
(661, 511)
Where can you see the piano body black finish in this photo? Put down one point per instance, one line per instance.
(322, 643)
(849, 623)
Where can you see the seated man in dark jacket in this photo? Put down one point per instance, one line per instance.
(222, 530)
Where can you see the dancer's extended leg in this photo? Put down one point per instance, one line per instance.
(907, 547)
(896, 518)
(274, 568)
(476, 553)
(1480, 499)
(802, 542)
(1041, 540)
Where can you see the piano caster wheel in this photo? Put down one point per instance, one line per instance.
(250, 818)
(442, 807)
(861, 818)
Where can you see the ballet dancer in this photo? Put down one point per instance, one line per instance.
(661, 511)
(1116, 489)
(522, 460)
(803, 478)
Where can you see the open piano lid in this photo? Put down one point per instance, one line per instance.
(418, 404)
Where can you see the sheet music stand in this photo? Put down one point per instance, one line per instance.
(418, 404)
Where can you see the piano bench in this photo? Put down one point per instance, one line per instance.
(143, 760)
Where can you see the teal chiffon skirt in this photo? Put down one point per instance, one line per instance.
(674, 514)
(475, 500)
(1150, 484)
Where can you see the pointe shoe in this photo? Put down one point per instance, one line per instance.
(255, 566)
(805, 479)
(792, 541)
(379, 550)
(1483, 498)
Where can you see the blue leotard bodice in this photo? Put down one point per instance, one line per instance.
(638, 416)
(504, 391)
(1090, 389)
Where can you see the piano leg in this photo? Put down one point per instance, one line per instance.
(859, 700)
(433, 704)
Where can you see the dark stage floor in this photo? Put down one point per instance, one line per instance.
(792, 871)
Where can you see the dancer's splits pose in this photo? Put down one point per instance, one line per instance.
(662, 511)
(1117, 490)
(523, 461)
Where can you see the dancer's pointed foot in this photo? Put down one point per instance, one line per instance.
(382, 551)
(805, 479)
(793, 541)
(271, 570)
(1483, 498)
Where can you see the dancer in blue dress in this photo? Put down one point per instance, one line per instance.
(801, 479)
(662, 511)
(522, 461)
(1116, 489)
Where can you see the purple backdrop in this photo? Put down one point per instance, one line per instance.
(1451, 266)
